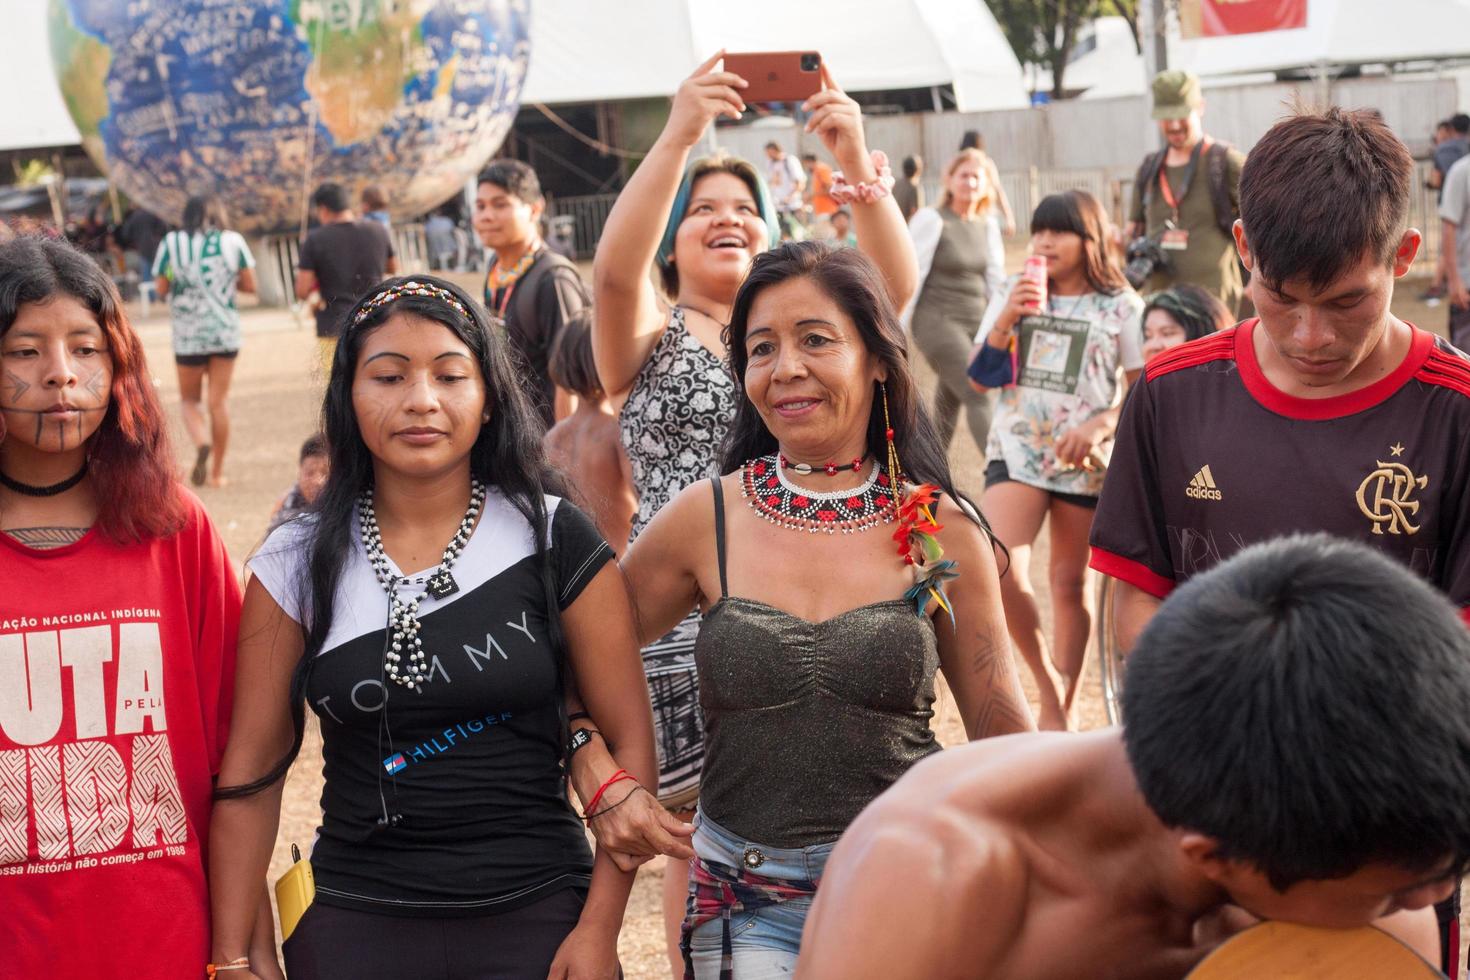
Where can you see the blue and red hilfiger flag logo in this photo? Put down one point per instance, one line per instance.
(395, 764)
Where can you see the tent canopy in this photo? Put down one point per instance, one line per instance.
(34, 114)
(594, 51)
(1338, 32)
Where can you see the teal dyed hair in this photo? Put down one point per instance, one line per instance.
(720, 162)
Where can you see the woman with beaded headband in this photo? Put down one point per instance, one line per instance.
(838, 569)
(433, 612)
(662, 359)
(118, 617)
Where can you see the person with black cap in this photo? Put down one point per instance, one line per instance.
(1185, 199)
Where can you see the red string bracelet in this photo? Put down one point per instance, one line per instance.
(616, 777)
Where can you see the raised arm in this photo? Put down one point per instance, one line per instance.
(627, 319)
(975, 652)
(881, 231)
(243, 831)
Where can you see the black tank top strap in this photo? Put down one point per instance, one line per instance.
(714, 483)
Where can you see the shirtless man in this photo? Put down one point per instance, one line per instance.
(1296, 746)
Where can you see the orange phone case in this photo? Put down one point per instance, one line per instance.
(777, 76)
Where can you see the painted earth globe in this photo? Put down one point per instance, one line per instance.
(261, 100)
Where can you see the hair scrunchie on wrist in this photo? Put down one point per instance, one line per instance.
(868, 192)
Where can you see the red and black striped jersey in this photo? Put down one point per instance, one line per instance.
(1211, 457)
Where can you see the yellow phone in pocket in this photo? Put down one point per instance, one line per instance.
(295, 891)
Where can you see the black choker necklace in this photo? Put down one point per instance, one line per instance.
(51, 491)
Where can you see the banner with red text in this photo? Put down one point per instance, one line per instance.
(1222, 18)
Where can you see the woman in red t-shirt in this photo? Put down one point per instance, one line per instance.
(118, 613)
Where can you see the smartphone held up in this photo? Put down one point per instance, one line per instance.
(777, 76)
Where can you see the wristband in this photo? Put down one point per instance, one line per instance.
(580, 738)
(239, 963)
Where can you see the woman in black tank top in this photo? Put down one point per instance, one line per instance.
(818, 651)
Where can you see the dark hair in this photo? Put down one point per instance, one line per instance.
(130, 459)
(1304, 704)
(856, 285)
(773, 145)
(204, 212)
(571, 365)
(1460, 123)
(719, 163)
(1322, 189)
(972, 140)
(331, 196)
(507, 457)
(911, 165)
(812, 157)
(373, 198)
(1079, 213)
(315, 445)
(518, 179)
(1197, 310)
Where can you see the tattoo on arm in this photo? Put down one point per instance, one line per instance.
(46, 538)
(1004, 710)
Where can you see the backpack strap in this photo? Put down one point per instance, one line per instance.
(1148, 173)
(1217, 170)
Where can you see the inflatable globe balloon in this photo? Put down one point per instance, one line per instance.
(259, 101)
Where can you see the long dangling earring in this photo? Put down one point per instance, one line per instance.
(895, 470)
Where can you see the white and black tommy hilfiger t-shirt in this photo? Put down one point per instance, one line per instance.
(469, 764)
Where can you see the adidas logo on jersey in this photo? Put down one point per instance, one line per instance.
(1203, 486)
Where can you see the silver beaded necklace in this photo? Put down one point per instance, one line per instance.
(403, 614)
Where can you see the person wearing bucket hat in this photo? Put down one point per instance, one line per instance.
(1185, 199)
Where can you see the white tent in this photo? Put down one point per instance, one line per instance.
(1338, 32)
(34, 114)
(593, 50)
(596, 50)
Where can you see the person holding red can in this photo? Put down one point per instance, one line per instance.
(1055, 348)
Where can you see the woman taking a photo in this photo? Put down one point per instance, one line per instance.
(112, 577)
(200, 269)
(662, 358)
(1053, 430)
(817, 687)
(447, 847)
(962, 262)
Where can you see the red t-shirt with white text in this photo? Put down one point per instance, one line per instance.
(116, 669)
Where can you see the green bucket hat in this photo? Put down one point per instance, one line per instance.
(1176, 94)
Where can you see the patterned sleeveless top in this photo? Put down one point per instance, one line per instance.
(675, 418)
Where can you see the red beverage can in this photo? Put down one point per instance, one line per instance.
(1035, 271)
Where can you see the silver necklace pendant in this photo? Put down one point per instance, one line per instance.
(404, 661)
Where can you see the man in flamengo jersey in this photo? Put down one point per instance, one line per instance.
(1326, 413)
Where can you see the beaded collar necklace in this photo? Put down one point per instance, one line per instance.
(764, 485)
(403, 614)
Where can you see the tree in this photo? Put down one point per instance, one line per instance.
(1042, 32)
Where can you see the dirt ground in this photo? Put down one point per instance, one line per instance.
(274, 405)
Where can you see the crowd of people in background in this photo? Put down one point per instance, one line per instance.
(571, 559)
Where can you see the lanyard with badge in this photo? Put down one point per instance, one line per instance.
(1175, 238)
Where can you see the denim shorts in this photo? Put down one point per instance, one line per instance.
(764, 942)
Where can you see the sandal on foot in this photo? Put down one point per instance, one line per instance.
(196, 476)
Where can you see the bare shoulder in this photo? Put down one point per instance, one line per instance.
(961, 536)
(924, 884)
(688, 519)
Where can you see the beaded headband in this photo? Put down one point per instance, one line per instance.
(410, 288)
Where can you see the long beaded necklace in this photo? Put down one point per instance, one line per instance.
(403, 614)
(764, 485)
